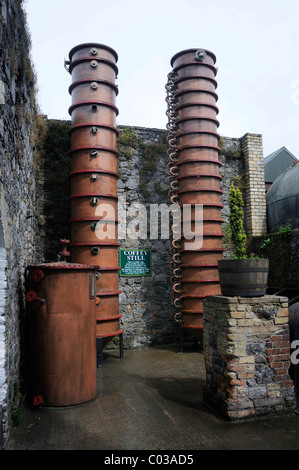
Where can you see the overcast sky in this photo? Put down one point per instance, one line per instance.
(255, 42)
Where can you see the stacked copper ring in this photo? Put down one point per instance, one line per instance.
(194, 179)
(94, 201)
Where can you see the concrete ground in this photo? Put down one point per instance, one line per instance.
(149, 400)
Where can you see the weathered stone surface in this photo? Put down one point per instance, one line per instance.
(247, 364)
(19, 232)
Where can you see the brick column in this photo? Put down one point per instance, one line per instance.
(247, 356)
(255, 197)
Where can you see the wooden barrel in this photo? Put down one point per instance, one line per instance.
(243, 277)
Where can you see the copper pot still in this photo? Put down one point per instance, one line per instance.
(61, 312)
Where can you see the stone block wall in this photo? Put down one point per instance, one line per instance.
(18, 229)
(232, 170)
(145, 302)
(247, 356)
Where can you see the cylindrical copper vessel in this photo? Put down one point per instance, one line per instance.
(94, 201)
(93, 135)
(93, 90)
(93, 50)
(94, 158)
(97, 112)
(98, 180)
(194, 180)
(89, 230)
(100, 253)
(61, 305)
(89, 67)
(89, 204)
(198, 153)
(199, 182)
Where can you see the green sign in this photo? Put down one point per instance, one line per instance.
(135, 262)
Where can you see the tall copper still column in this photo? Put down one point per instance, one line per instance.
(94, 201)
(194, 179)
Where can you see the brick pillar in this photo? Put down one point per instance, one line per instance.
(255, 196)
(247, 356)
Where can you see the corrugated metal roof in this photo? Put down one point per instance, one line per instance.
(277, 162)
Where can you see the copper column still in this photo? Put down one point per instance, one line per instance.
(94, 177)
(194, 179)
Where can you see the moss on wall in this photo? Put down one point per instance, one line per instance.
(54, 187)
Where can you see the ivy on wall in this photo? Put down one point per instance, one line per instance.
(281, 249)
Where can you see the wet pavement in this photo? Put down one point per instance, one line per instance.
(149, 400)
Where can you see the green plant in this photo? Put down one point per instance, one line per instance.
(15, 415)
(266, 245)
(237, 232)
(15, 407)
(285, 230)
(127, 137)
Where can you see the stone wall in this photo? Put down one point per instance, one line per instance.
(19, 129)
(143, 179)
(148, 316)
(146, 302)
(247, 356)
(53, 208)
(231, 171)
